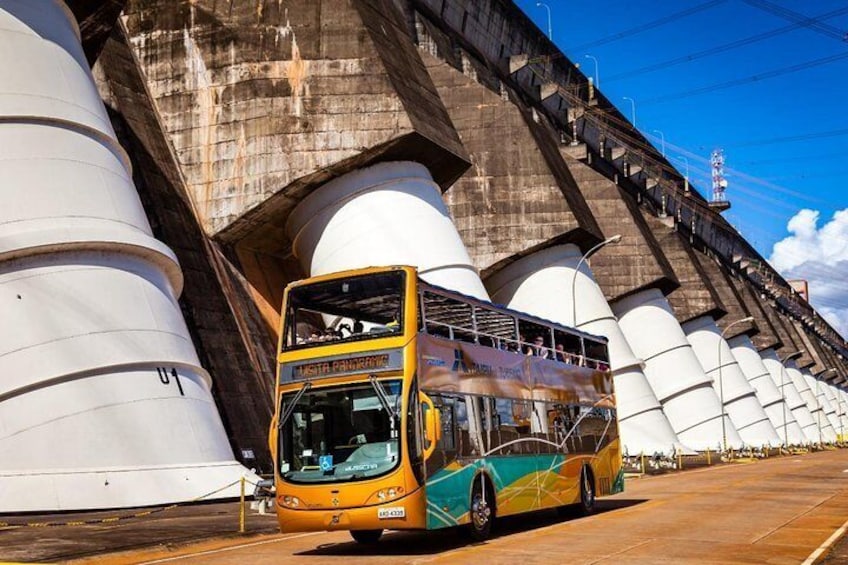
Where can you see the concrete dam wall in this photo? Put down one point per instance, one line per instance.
(197, 156)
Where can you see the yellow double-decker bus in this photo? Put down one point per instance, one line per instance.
(402, 405)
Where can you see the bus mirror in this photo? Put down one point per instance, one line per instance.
(433, 423)
(432, 426)
(272, 436)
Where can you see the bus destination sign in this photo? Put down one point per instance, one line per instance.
(335, 366)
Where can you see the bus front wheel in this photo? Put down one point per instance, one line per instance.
(366, 536)
(482, 511)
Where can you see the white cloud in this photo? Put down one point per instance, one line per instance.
(819, 256)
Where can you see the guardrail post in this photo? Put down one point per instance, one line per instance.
(708, 457)
(642, 458)
(241, 506)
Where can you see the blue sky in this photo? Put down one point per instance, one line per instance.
(785, 137)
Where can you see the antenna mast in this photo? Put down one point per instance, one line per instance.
(719, 201)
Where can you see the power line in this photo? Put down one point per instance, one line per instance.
(802, 158)
(801, 137)
(746, 80)
(787, 14)
(722, 48)
(806, 176)
(737, 173)
(741, 188)
(646, 26)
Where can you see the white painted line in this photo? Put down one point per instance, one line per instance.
(824, 547)
(228, 548)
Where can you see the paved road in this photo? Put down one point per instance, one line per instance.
(774, 511)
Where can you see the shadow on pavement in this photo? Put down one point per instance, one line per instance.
(428, 543)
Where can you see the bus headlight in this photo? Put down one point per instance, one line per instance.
(290, 501)
(387, 493)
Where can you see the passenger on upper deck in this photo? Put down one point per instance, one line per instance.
(560, 354)
(538, 348)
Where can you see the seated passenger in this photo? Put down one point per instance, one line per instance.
(527, 348)
(538, 349)
(331, 335)
(559, 353)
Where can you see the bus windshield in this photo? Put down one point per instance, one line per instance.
(349, 309)
(340, 433)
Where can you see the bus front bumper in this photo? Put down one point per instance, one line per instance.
(406, 513)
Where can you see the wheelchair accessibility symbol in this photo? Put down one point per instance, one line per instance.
(325, 462)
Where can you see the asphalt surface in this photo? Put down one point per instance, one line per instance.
(776, 511)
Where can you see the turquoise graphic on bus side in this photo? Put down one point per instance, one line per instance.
(516, 479)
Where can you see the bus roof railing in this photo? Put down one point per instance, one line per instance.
(422, 284)
(568, 356)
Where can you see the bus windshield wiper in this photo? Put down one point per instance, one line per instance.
(384, 400)
(290, 408)
(383, 396)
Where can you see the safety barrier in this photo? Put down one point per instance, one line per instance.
(243, 482)
(646, 464)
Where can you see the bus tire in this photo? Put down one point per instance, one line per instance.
(482, 509)
(366, 537)
(587, 491)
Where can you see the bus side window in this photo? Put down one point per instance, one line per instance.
(503, 406)
(448, 440)
(464, 447)
(562, 421)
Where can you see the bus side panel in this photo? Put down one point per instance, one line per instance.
(610, 465)
(522, 483)
(448, 494)
(515, 479)
(517, 482)
(558, 485)
(559, 475)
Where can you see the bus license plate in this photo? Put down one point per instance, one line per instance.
(391, 513)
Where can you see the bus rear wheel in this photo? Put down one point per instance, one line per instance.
(482, 512)
(587, 491)
(586, 505)
(366, 536)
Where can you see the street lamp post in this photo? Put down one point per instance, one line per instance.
(662, 140)
(614, 239)
(597, 75)
(721, 379)
(686, 178)
(686, 163)
(546, 7)
(783, 393)
(632, 108)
